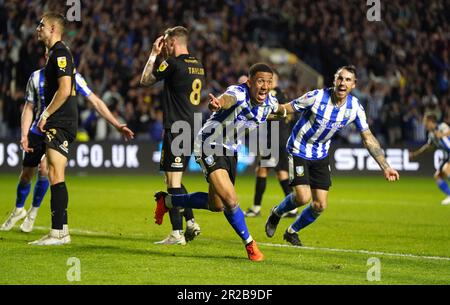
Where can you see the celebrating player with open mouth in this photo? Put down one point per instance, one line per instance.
(324, 112)
(243, 106)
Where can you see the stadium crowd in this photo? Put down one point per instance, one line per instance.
(402, 60)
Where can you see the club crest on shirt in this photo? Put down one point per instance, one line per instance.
(300, 171)
(347, 113)
(210, 161)
(62, 62)
(163, 66)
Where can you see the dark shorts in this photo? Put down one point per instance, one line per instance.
(170, 161)
(59, 140)
(32, 159)
(315, 173)
(271, 161)
(212, 162)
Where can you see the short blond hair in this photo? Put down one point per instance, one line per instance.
(57, 18)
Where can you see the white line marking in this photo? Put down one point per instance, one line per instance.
(407, 255)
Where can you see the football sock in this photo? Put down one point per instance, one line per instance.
(259, 190)
(187, 213)
(176, 219)
(23, 189)
(287, 189)
(442, 184)
(308, 216)
(236, 219)
(40, 188)
(288, 204)
(58, 203)
(198, 200)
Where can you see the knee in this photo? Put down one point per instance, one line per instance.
(302, 199)
(215, 205)
(230, 200)
(26, 176)
(319, 206)
(43, 171)
(439, 175)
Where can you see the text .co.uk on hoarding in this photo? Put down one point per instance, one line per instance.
(143, 158)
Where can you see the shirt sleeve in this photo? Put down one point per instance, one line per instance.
(274, 104)
(62, 59)
(237, 92)
(361, 120)
(306, 101)
(82, 86)
(30, 93)
(165, 69)
(443, 127)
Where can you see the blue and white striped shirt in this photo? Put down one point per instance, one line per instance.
(227, 127)
(321, 119)
(442, 143)
(35, 94)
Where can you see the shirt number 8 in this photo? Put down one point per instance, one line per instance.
(195, 94)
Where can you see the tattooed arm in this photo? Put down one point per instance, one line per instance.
(372, 145)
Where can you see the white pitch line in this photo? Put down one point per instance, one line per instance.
(359, 251)
(407, 255)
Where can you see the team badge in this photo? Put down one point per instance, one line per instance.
(347, 113)
(163, 66)
(209, 161)
(300, 170)
(62, 62)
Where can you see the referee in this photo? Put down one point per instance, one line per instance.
(58, 121)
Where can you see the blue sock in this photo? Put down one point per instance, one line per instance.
(236, 219)
(197, 200)
(442, 184)
(23, 189)
(307, 217)
(40, 188)
(288, 204)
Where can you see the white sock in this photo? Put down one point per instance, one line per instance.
(256, 208)
(290, 230)
(190, 222)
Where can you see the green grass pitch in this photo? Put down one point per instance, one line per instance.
(402, 224)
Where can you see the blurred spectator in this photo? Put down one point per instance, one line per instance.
(406, 55)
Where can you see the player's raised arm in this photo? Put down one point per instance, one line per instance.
(103, 110)
(375, 150)
(147, 77)
(225, 101)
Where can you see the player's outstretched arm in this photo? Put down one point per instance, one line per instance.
(147, 77)
(374, 148)
(25, 123)
(225, 101)
(421, 150)
(283, 111)
(103, 110)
